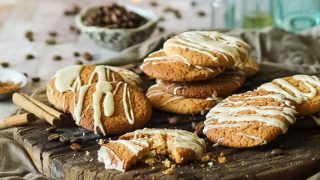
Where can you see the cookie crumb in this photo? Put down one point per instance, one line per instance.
(205, 158)
(170, 170)
(221, 158)
(166, 163)
(150, 161)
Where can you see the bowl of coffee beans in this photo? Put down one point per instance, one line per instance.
(117, 27)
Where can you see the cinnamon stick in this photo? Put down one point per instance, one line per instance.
(17, 120)
(39, 109)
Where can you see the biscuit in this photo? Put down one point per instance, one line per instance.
(182, 146)
(175, 68)
(221, 86)
(128, 76)
(208, 48)
(103, 107)
(304, 90)
(178, 104)
(122, 154)
(251, 67)
(249, 119)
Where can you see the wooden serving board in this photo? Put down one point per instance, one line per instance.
(299, 159)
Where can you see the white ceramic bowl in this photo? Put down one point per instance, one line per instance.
(119, 38)
(14, 76)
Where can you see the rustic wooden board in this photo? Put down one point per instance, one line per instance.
(300, 157)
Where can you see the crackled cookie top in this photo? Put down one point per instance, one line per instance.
(208, 48)
(249, 119)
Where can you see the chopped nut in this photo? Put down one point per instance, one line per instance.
(166, 163)
(150, 161)
(53, 137)
(29, 56)
(57, 58)
(5, 64)
(87, 56)
(35, 79)
(75, 146)
(170, 170)
(276, 151)
(222, 158)
(51, 42)
(51, 129)
(205, 158)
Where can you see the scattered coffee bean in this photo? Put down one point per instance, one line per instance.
(201, 13)
(25, 74)
(76, 140)
(76, 54)
(78, 62)
(35, 79)
(276, 152)
(176, 12)
(173, 120)
(198, 128)
(194, 3)
(74, 29)
(87, 56)
(74, 11)
(161, 19)
(5, 64)
(53, 137)
(51, 129)
(57, 58)
(29, 56)
(63, 139)
(161, 29)
(51, 42)
(75, 146)
(29, 35)
(53, 34)
(154, 4)
(114, 16)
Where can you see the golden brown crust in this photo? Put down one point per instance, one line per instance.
(251, 67)
(178, 104)
(175, 69)
(223, 85)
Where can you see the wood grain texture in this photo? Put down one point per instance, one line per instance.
(300, 156)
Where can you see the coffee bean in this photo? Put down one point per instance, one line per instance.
(51, 42)
(75, 146)
(29, 35)
(76, 54)
(76, 140)
(29, 56)
(53, 137)
(161, 19)
(35, 79)
(193, 3)
(161, 29)
(87, 56)
(78, 62)
(57, 58)
(201, 13)
(276, 151)
(63, 139)
(154, 4)
(51, 129)
(53, 34)
(25, 74)
(5, 64)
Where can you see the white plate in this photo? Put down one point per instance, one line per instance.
(14, 76)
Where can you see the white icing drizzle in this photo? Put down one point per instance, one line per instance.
(101, 72)
(181, 139)
(67, 77)
(209, 42)
(218, 142)
(104, 155)
(316, 119)
(128, 110)
(311, 82)
(226, 115)
(253, 137)
(78, 105)
(102, 87)
(176, 89)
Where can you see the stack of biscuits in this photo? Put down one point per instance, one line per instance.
(195, 69)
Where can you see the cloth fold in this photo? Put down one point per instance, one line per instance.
(272, 47)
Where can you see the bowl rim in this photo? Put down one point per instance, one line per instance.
(151, 20)
(24, 81)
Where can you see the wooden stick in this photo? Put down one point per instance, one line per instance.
(39, 111)
(17, 120)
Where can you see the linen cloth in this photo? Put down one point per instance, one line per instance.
(298, 53)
